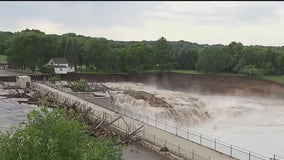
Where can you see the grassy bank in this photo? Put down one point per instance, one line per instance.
(204, 73)
(3, 58)
(278, 79)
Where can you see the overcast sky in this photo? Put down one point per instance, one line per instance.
(251, 23)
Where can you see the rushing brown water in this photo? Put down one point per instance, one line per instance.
(253, 123)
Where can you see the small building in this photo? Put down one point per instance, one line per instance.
(60, 65)
(23, 81)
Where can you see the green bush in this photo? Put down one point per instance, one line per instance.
(251, 70)
(47, 70)
(54, 79)
(79, 86)
(50, 135)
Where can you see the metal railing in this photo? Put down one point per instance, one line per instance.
(214, 144)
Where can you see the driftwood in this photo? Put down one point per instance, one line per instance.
(133, 133)
(115, 120)
(16, 95)
(28, 102)
(102, 121)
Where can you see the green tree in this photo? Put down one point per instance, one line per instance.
(29, 49)
(236, 51)
(3, 37)
(96, 50)
(163, 57)
(71, 48)
(187, 59)
(136, 58)
(212, 60)
(114, 60)
(54, 136)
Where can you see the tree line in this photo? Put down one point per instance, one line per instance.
(31, 49)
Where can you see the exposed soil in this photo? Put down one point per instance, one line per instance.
(203, 84)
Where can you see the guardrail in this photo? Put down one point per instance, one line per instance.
(214, 144)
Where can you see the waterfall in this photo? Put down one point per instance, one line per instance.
(185, 110)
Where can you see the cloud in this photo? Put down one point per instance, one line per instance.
(98, 14)
(201, 22)
(226, 13)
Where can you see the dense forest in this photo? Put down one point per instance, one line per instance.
(31, 49)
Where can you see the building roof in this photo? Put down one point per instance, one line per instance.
(24, 76)
(60, 60)
(71, 65)
(56, 66)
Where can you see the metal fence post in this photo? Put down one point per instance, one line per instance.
(156, 123)
(231, 150)
(147, 119)
(178, 149)
(118, 123)
(200, 138)
(192, 154)
(187, 135)
(215, 145)
(249, 155)
(176, 130)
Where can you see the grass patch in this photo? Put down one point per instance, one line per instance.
(194, 72)
(3, 58)
(95, 72)
(278, 79)
(151, 71)
(188, 72)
